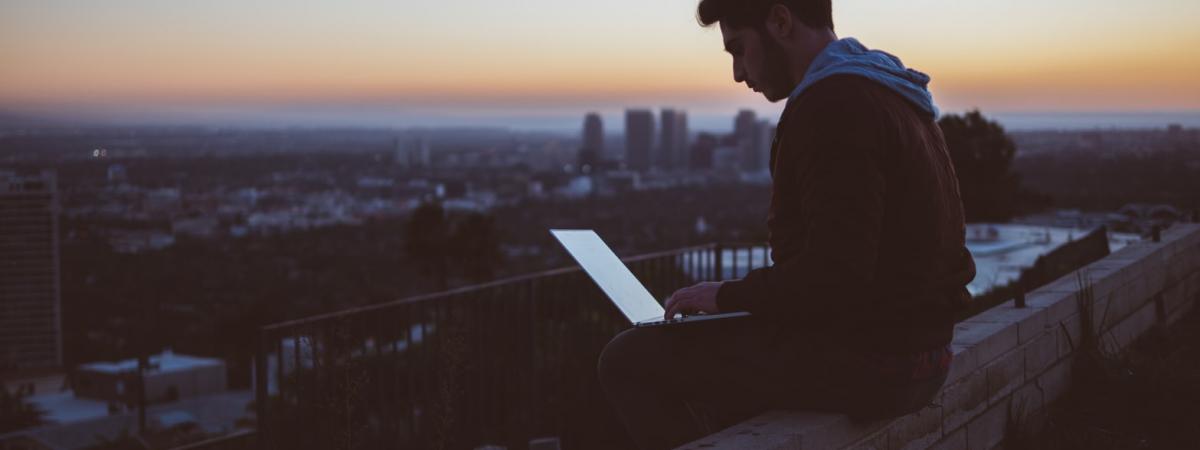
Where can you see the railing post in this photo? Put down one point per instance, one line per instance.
(719, 263)
(260, 390)
(1019, 301)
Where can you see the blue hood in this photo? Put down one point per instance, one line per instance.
(848, 56)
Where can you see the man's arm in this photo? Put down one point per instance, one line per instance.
(840, 196)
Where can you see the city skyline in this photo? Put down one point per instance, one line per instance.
(425, 63)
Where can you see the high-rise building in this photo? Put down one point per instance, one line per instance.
(681, 139)
(672, 143)
(592, 150)
(413, 153)
(639, 139)
(747, 138)
(762, 145)
(30, 307)
(701, 152)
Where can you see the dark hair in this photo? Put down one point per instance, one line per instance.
(752, 13)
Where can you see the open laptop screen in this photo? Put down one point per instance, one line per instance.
(613, 277)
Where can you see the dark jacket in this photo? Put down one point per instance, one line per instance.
(865, 225)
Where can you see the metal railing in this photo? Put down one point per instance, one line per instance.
(497, 363)
(237, 440)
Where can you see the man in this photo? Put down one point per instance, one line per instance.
(867, 237)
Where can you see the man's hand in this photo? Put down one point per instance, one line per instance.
(701, 297)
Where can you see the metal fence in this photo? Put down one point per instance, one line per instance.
(498, 363)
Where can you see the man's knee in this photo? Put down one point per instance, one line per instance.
(627, 354)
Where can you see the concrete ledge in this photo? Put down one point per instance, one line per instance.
(784, 429)
(1008, 360)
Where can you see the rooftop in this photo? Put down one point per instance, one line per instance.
(161, 363)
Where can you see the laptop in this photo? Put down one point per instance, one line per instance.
(619, 284)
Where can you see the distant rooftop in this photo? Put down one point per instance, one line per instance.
(162, 363)
(15, 182)
(1001, 251)
(213, 414)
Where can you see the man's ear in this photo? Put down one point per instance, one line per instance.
(779, 23)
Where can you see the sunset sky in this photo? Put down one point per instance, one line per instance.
(562, 57)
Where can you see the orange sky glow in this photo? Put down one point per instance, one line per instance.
(1023, 55)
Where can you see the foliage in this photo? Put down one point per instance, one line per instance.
(442, 244)
(426, 241)
(15, 412)
(1143, 398)
(475, 247)
(1106, 181)
(983, 156)
(123, 441)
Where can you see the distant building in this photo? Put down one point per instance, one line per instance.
(748, 137)
(1181, 137)
(766, 136)
(169, 377)
(619, 181)
(116, 174)
(578, 187)
(592, 150)
(164, 201)
(728, 157)
(30, 299)
(1143, 217)
(203, 227)
(639, 139)
(77, 424)
(672, 143)
(413, 153)
(137, 241)
(701, 152)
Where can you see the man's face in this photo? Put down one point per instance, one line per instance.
(758, 61)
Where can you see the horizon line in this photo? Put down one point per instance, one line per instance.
(558, 121)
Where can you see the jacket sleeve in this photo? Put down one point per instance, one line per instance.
(840, 197)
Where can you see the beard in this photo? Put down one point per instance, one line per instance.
(776, 82)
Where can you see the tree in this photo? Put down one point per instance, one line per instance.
(15, 412)
(982, 153)
(426, 241)
(476, 246)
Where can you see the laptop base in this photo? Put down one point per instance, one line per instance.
(691, 319)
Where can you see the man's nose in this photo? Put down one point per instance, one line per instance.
(739, 75)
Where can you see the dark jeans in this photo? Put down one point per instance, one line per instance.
(672, 385)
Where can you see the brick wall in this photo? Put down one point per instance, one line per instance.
(1009, 362)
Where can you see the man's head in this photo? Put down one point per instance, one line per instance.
(772, 41)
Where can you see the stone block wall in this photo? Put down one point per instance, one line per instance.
(1009, 362)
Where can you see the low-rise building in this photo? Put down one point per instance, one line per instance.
(169, 377)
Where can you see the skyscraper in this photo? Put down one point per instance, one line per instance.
(639, 139)
(592, 150)
(762, 146)
(681, 139)
(701, 152)
(672, 144)
(747, 136)
(30, 309)
(413, 153)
